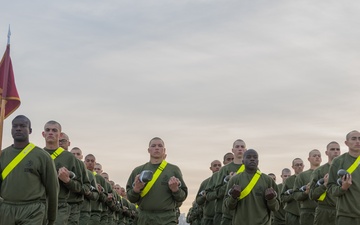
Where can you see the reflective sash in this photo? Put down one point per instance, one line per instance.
(349, 170)
(241, 169)
(153, 180)
(94, 173)
(57, 152)
(251, 185)
(17, 160)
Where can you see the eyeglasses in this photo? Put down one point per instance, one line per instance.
(63, 141)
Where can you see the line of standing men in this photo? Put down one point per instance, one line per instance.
(50, 185)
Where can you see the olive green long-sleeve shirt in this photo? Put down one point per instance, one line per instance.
(32, 179)
(160, 192)
(348, 200)
(302, 197)
(290, 204)
(254, 208)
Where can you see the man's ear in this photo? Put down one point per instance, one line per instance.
(43, 134)
(30, 130)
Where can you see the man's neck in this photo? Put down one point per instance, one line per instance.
(250, 171)
(354, 153)
(237, 160)
(313, 167)
(51, 146)
(20, 144)
(155, 161)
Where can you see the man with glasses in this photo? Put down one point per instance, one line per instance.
(291, 206)
(76, 199)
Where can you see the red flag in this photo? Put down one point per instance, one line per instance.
(8, 90)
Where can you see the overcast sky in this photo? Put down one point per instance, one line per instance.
(281, 75)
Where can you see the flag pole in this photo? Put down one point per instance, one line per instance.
(3, 90)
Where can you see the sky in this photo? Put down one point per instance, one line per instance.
(281, 75)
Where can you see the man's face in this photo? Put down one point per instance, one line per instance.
(273, 177)
(228, 158)
(77, 153)
(157, 149)
(215, 166)
(51, 133)
(238, 149)
(20, 129)
(298, 166)
(90, 162)
(105, 176)
(333, 151)
(64, 141)
(285, 175)
(123, 192)
(315, 158)
(251, 160)
(98, 169)
(353, 141)
(118, 189)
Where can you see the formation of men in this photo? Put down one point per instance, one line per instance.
(52, 185)
(61, 188)
(323, 194)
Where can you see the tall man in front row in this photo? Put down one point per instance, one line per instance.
(24, 182)
(158, 198)
(348, 188)
(65, 163)
(252, 194)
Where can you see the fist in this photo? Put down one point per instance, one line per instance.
(270, 194)
(235, 191)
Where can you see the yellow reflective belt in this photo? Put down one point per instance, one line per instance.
(57, 152)
(17, 160)
(153, 180)
(241, 169)
(251, 185)
(349, 170)
(354, 165)
(322, 197)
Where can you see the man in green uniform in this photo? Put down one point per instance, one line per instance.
(212, 195)
(348, 192)
(194, 215)
(279, 216)
(158, 198)
(85, 207)
(65, 163)
(76, 199)
(302, 189)
(291, 206)
(252, 194)
(325, 213)
(223, 176)
(201, 197)
(31, 178)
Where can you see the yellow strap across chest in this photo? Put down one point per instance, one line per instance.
(57, 152)
(17, 160)
(350, 170)
(251, 185)
(353, 167)
(241, 169)
(153, 180)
